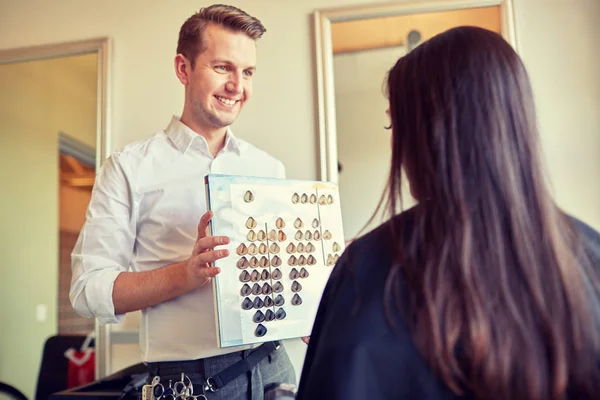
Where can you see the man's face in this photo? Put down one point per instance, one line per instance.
(221, 81)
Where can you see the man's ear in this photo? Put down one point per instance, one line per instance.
(183, 68)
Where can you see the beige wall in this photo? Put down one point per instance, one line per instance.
(558, 40)
(37, 100)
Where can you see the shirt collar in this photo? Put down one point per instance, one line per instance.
(183, 137)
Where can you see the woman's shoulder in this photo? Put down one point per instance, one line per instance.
(590, 239)
(382, 239)
(586, 230)
(366, 262)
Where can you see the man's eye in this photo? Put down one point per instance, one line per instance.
(222, 68)
(248, 73)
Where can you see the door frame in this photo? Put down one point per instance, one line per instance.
(102, 47)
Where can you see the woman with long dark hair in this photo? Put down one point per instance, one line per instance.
(485, 289)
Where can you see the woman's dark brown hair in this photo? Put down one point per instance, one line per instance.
(501, 294)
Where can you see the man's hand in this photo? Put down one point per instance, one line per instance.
(199, 266)
(306, 339)
(138, 290)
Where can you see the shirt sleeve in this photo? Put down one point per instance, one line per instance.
(105, 244)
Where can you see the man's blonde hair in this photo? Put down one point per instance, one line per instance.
(190, 42)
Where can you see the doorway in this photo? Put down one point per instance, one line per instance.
(47, 93)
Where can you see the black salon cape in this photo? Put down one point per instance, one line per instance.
(353, 352)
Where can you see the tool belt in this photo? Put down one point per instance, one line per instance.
(210, 383)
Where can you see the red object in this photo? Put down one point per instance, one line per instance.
(82, 365)
(81, 369)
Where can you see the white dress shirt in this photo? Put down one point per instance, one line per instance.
(146, 204)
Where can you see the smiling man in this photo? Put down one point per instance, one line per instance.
(148, 212)
(216, 70)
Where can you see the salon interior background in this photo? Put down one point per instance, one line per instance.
(558, 40)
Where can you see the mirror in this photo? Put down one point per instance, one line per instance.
(54, 125)
(355, 48)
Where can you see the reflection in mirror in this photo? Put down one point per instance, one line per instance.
(355, 49)
(53, 124)
(363, 145)
(76, 173)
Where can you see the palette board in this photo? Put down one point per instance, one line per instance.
(286, 236)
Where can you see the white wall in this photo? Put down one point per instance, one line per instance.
(558, 38)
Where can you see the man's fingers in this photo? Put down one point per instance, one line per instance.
(210, 242)
(208, 257)
(204, 253)
(201, 265)
(203, 224)
(208, 272)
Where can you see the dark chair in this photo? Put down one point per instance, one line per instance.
(53, 372)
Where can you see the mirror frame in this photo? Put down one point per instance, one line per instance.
(102, 47)
(322, 20)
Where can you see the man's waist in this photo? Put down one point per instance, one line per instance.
(212, 372)
(190, 352)
(198, 365)
(182, 329)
